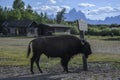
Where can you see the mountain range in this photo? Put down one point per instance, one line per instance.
(73, 15)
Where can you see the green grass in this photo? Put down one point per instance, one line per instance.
(13, 52)
(106, 57)
(102, 37)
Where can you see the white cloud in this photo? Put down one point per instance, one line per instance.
(48, 9)
(66, 7)
(103, 12)
(51, 9)
(53, 1)
(86, 5)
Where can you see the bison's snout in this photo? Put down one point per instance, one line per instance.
(87, 50)
(87, 55)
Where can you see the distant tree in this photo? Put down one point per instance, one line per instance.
(60, 16)
(5, 13)
(45, 16)
(1, 13)
(114, 25)
(28, 13)
(19, 12)
(18, 4)
(14, 14)
(1, 18)
(41, 14)
(41, 17)
(37, 17)
(29, 9)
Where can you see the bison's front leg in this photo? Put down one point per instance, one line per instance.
(64, 63)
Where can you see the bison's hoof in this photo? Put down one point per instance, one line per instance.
(41, 71)
(66, 71)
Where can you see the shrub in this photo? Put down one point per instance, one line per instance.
(116, 31)
(94, 31)
(74, 30)
(105, 32)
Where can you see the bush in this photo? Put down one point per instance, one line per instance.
(105, 32)
(116, 31)
(94, 31)
(74, 30)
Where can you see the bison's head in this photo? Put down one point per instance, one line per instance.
(86, 49)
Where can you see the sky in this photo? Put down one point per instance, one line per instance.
(93, 9)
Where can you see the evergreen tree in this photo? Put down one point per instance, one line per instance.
(60, 16)
(28, 13)
(18, 4)
(14, 15)
(29, 9)
(1, 14)
(18, 12)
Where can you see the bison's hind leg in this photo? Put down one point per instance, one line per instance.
(64, 63)
(37, 63)
(35, 58)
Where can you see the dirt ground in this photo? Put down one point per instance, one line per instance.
(97, 71)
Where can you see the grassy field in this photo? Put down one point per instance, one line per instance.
(13, 51)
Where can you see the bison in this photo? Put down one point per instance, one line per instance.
(64, 47)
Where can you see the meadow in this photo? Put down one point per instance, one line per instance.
(103, 64)
(13, 51)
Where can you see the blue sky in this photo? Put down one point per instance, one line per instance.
(93, 9)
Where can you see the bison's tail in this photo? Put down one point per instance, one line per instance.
(29, 49)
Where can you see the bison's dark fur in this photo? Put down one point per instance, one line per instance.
(64, 47)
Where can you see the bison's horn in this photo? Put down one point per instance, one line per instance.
(82, 42)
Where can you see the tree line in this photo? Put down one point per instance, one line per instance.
(104, 30)
(19, 12)
(98, 30)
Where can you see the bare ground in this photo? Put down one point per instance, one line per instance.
(97, 71)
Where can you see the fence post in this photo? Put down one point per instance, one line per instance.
(84, 59)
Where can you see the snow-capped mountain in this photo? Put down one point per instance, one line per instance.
(73, 15)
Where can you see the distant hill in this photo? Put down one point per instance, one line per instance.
(73, 15)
